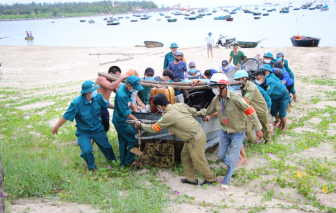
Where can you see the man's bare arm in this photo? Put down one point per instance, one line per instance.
(103, 82)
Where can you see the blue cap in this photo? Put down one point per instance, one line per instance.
(266, 67)
(268, 54)
(89, 86)
(134, 82)
(177, 53)
(173, 45)
(240, 74)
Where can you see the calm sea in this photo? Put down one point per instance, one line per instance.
(277, 28)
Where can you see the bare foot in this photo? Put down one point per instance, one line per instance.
(240, 162)
(246, 162)
(283, 129)
(136, 162)
(277, 123)
(272, 128)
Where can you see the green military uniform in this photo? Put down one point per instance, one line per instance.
(178, 118)
(253, 97)
(237, 110)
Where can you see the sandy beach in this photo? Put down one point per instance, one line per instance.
(63, 69)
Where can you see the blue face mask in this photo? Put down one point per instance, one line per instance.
(160, 110)
(210, 35)
(94, 94)
(149, 78)
(192, 70)
(133, 90)
(170, 81)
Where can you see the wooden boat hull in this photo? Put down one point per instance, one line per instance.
(29, 38)
(113, 23)
(134, 20)
(265, 14)
(167, 16)
(229, 19)
(309, 42)
(192, 18)
(247, 44)
(82, 20)
(222, 17)
(256, 17)
(144, 18)
(153, 43)
(172, 20)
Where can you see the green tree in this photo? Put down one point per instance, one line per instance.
(55, 12)
(36, 10)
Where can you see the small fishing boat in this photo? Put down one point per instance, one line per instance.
(257, 17)
(82, 20)
(134, 20)
(137, 16)
(311, 8)
(158, 19)
(222, 17)
(52, 21)
(120, 17)
(249, 44)
(264, 9)
(192, 18)
(167, 16)
(161, 14)
(284, 11)
(29, 38)
(105, 19)
(257, 14)
(113, 23)
(127, 17)
(153, 43)
(296, 8)
(305, 41)
(172, 20)
(91, 21)
(144, 18)
(324, 9)
(209, 14)
(199, 16)
(229, 19)
(265, 14)
(186, 17)
(233, 12)
(269, 11)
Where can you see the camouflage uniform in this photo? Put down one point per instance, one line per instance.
(178, 118)
(253, 97)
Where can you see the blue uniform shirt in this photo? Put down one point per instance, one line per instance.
(168, 58)
(87, 114)
(122, 104)
(275, 89)
(285, 77)
(178, 69)
(266, 97)
(272, 76)
(285, 65)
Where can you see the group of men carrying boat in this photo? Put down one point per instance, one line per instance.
(236, 113)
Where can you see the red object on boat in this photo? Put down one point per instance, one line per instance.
(229, 19)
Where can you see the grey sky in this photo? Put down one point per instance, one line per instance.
(192, 3)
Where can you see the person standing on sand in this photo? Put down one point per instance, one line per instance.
(232, 111)
(236, 55)
(279, 96)
(27, 34)
(210, 43)
(86, 110)
(169, 57)
(179, 118)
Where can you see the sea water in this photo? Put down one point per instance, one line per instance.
(277, 28)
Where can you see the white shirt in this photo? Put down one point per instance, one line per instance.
(210, 40)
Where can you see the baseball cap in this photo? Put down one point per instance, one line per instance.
(192, 64)
(177, 53)
(225, 63)
(89, 86)
(134, 82)
(132, 72)
(149, 71)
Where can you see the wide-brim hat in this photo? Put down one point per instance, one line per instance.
(89, 86)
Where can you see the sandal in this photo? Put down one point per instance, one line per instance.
(224, 187)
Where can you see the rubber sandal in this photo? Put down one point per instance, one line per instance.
(224, 187)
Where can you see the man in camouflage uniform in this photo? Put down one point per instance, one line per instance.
(232, 112)
(253, 96)
(178, 118)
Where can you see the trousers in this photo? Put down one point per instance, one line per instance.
(193, 157)
(127, 141)
(100, 137)
(235, 141)
(265, 127)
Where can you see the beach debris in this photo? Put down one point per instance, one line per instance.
(117, 60)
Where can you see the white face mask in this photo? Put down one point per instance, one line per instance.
(215, 91)
(267, 61)
(226, 68)
(258, 82)
(160, 109)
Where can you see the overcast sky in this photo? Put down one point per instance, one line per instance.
(192, 3)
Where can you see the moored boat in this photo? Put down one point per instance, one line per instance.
(144, 18)
(153, 43)
(91, 21)
(257, 17)
(257, 14)
(134, 20)
(172, 20)
(167, 16)
(29, 38)
(266, 14)
(222, 17)
(296, 8)
(305, 41)
(113, 23)
(82, 20)
(229, 19)
(192, 18)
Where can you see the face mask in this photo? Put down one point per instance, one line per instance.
(210, 35)
(258, 82)
(132, 90)
(170, 80)
(192, 70)
(215, 91)
(94, 94)
(267, 61)
(177, 59)
(149, 78)
(226, 68)
(160, 110)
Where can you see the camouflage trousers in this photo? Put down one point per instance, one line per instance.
(265, 127)
(193, 157)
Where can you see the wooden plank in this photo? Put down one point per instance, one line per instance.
(117, 60)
